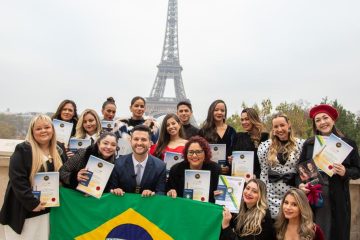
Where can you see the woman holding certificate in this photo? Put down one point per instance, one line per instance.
(23, 215)
(216, 131)
(252, 137)
(254, 220)
(67, 111)
(334, 216)
(278, 158)
(197, 155)
(295, 220)
(74, 171)
(89, 126)
(171, 137)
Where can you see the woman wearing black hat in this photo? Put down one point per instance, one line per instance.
(334, 216)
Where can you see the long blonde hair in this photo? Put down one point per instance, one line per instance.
(80, 130)
(306, 224)
(249, 220)
(276, 146)
(37, 153)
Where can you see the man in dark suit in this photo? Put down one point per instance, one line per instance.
(139, 172)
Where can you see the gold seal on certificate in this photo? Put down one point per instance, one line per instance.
(198, 183)
(231, 188)
(107, 125)
(46, 188)
(330, 150)
(242, 164)
(171, 158)
(218, 152)
(99, 172)
(77, 143)
(63, 131)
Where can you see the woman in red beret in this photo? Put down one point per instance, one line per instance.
(334, 215)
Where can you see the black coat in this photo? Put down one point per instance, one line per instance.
(244, 143)
(338, 188)
(177, 177)
(19, 200)
(267, 233)
(69, 171)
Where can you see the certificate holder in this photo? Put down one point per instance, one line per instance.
(124, 147)
(171, 158)
(218, 152)
(231, 188)
(77, 143)
(63, 131)
(197, 184)
(107, 125)
(332, 150)
(242, 164)
(99, 172)
(46, 188)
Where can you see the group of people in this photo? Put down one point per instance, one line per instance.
(274, 204)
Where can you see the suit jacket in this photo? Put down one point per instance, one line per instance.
(123, 175)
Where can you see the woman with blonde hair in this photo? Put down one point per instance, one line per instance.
(88, 126)
(254, 220)
(23, 215)
(278, 158)
(295, 219)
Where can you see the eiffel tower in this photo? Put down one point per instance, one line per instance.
(169, 69)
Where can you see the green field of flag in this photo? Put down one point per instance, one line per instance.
(133, 217)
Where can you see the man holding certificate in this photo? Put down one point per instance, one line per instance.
(139, 172)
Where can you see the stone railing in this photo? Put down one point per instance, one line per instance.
(8, 146)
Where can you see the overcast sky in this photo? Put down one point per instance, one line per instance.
(236, 50)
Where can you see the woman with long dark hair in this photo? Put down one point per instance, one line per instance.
(216, 131)
(334, 216)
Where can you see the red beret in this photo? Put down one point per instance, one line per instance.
(324, 108)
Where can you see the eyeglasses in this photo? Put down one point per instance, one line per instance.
(197, 152)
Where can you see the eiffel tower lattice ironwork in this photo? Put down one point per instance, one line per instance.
(169, 69)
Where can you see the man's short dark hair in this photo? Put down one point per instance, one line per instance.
(186, 103)
(142, 128)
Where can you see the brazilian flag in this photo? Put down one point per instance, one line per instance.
(133, 217)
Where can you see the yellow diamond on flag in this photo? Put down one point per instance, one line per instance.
(128, 225)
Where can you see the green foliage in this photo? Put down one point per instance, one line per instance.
(298, 113)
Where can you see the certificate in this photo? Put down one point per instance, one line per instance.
(171, 158)
(232, 188)
(333, 150)
(99, 172)
(124, 147)
(197, 182)
(107, 125)
(77, 143)
(218, 152)
(242, 164)
(46, 188)
(63, 131)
